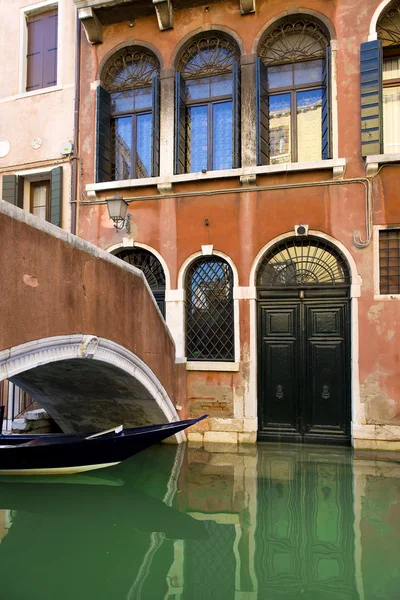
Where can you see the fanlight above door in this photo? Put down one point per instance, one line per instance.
(303, 263)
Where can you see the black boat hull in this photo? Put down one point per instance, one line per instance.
(66, 454)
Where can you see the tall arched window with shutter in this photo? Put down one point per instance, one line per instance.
(128, 116)
(209, 310)
(207, 96)
(293, 92)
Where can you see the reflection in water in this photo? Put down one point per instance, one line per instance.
(272, 522)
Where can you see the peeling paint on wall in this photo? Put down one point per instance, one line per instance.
(379, 408)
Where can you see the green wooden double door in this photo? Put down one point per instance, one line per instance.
(304, 370)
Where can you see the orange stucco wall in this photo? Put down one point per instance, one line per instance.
(242, 222)
(60, 289)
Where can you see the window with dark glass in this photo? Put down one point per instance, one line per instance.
(208, 106)
(293, 114)
(128, 117)
(389, 261)
(42, 50)
(209, 310)
(152, 269)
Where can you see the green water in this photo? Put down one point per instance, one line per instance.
(274, 522)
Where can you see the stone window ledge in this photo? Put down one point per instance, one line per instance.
(46, 90)
(212, 366)
(384, 297)
(247, 175)
(373, 161)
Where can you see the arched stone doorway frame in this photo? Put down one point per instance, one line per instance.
(357, 412)
(87, 347)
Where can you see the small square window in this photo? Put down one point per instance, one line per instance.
(389, 261)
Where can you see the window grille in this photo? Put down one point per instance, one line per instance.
(388, 26)
(293, 41)
(208, 56)
(130, 68)
(389, 261)
(303, 263)
(209, 311)
(152, 269)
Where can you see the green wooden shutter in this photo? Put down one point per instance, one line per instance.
(262, 113)
(103, 135)
(326, 106)
(236, 116)
(155, 131)
(56, 196)
(371, 98)
(180, 124)
(13, 190)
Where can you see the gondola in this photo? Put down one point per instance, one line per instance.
(60, 453)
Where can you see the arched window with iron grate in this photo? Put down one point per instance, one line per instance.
(209, 310)
(152, 270)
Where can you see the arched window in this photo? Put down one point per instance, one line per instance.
(209, 310)
(128, 116)
(293, 112)
(207, 96)
(303, 263)
(152, 270)
(388, 29)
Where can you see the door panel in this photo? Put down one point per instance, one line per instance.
(325, 393)
(280, 398)
(304, 370)
(279, 350)
(325, 401)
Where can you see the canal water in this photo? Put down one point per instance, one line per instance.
(184, 523)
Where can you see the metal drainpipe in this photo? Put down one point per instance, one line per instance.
(75, 157)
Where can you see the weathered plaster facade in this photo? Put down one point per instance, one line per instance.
(37, 124)
(249, 208)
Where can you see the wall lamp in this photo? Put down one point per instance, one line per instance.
(117, 208)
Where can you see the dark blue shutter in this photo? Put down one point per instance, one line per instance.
(326, 106)
(371, 98)
(56, 196)
(103, 135)
(155, 131)
(236, 96)
(262, 113)
(180, 124)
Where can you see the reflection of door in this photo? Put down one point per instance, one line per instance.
(304, 370)
(305, 524)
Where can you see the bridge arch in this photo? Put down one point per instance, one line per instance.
(91, 358)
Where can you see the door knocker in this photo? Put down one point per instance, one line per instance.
(325, 392)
